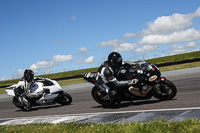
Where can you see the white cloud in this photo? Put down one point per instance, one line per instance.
(74, 18)
(146, 48)
(178, 48)
(83, 51)
(171, 29)
(89, 60)
(181, 36)
(119, 46)
(62, 58)
(19, 73)
(197, 13)
(44, 65)
(184, 48)
(3, 79)
(125, 47)
(112, 43)
(128, 35)
(169, 24)
(191, 45)
(41, 65)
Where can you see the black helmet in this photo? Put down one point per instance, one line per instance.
(115, 60)
(28, 75)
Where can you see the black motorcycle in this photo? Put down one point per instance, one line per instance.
(150, 84)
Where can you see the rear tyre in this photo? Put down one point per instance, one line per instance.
(102, 97)
(64, 98)
(167, 91)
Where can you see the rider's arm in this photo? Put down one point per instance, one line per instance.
(28, 92)
(110, 77)
(18, 90)
(20, 83)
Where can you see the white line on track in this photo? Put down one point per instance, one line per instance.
(152, 110)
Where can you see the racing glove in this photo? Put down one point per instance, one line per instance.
(133, 82)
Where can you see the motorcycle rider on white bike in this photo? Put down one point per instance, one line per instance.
(108, 70)
(23, 89)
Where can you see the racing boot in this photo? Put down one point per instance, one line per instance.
(25, 102)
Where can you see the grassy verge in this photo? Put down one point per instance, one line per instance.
(158, 126)
(181, 66)
(173, 58)
(2, 91)
(71, 81)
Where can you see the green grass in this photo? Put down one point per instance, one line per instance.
(173, 58)
(2, 90)
(157, 126)
(71, 81)
(180, 66)
(9, 82)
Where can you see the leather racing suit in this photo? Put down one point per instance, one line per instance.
(23, 91)
(108, 75)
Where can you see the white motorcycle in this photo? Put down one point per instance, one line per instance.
(50, 90)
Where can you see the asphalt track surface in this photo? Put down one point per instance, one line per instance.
(187, 82)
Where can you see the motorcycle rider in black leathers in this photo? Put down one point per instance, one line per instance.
(107, 72)
(23, 91)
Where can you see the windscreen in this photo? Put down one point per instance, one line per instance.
(145, 66)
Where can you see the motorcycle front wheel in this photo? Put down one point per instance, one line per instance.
(102, 97)
(64, 98)
(164, 90)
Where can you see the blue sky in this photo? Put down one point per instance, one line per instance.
(50, 36)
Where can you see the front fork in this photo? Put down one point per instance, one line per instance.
(161, 80)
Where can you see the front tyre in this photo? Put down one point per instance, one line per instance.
(64, 98)
(102, 97)
(164, 90)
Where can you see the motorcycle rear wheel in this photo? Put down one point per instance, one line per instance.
(167, 91)
(64, 98)
(102, 97)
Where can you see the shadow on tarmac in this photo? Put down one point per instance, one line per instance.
(35, 108)
(129, 103)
